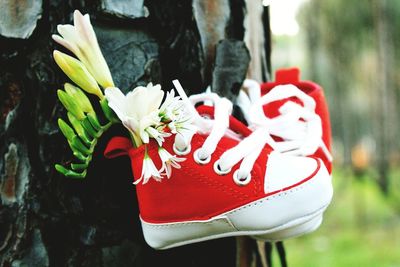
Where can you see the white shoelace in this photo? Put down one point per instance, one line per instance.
(299, 126)
(247, 150)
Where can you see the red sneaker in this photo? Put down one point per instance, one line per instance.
(229, 185)
(307, 129)
(296, 114)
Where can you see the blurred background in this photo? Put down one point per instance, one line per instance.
(349, 47)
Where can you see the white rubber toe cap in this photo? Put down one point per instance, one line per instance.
(286, 170)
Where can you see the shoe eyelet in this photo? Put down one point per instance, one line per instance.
(182, 152)
(218, 170)
(199, 160)
(241, 181)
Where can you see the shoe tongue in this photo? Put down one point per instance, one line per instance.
(234, 124)
(284, 76)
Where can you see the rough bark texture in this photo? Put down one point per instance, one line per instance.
(18, 18)
(50, 220)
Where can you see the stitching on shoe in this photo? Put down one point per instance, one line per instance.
(214, 183)
(256, 186)
(268, 183)
(179, 224)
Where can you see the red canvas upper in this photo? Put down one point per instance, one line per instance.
(194, 192)
(292, 76)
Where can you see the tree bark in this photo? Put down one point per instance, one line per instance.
(385, 104)
(49, 220)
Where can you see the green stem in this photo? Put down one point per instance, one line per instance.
(108, 112)
(98, 135)
(136, 140)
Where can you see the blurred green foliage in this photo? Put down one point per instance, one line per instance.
(360, 228)
(351, 49)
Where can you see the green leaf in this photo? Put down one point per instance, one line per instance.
(94, 122)
(79, 146)
(77, 154)
(79, 129)
(73, 140)
(79, 166)
(69, 103)
(89, 128)
(69, 173)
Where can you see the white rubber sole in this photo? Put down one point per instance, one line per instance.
(294, 231)
(282, 215)
(299, 227)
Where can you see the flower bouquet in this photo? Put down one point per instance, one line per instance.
(144, 111)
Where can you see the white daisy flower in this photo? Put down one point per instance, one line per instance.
(149, 170)
(168, 161)
(159, 135)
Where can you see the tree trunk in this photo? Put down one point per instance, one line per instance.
(49, 220)
(386, 132)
